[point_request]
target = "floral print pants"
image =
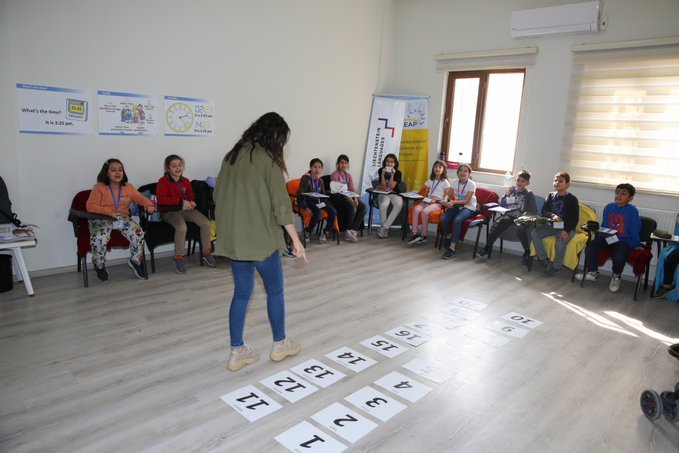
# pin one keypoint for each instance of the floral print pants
(100, 234)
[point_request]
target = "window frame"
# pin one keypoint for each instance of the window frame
(483, 76)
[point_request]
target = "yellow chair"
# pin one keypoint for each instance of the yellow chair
(575, 246)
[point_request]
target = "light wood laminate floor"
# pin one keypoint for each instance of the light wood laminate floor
(131, 365)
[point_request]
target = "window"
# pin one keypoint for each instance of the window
(622, 123)
(481, 120)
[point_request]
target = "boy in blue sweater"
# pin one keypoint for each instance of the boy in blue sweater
(624, 218)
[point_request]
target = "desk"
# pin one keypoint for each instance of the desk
(661, 243)
(15, 248)
(407, 197)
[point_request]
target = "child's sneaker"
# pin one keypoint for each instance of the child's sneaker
(414, 240)
(102, 273)
(179, 265)
(210, 260)
(615, 283)
(323, 238)
(449, 254)
(551, 271)
(483, 253)
(239, 358)
(383, 233)
(589, 276)
(288, 252)
(138, 269)
(286, 347)
(423, 240)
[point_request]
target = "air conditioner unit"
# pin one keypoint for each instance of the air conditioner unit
(574, 18)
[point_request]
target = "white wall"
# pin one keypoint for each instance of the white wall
(424, 28)
(316, 62)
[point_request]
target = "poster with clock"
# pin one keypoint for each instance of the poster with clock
(190, 117)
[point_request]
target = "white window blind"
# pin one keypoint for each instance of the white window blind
(622, 123)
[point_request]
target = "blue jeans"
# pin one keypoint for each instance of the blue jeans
(317, 215)
(455, 215)
(271, 271)
(619, 253)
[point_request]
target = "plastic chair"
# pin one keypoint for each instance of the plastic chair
(78, 216)
(160, 233)
(480, 219)
(292, 187)
(434, 217)
(639, 258)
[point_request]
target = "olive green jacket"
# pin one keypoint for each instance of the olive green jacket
(251, 206)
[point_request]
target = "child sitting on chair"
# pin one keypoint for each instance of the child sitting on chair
(311, 183)
(563, 209)
(434, 193)
(519, 200)
(624, 218)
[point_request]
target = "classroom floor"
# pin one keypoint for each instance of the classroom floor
(130, 365)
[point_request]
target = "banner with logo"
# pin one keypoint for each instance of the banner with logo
(399, 125)
(384, 135)
(414, 152)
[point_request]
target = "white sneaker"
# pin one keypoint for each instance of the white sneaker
(354, 235)
(590, 276)
(615, 284)
(383, 233)
(284, 348)
(239, 358)
(415, 239)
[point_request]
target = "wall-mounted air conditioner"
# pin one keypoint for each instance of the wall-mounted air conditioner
(574, 18)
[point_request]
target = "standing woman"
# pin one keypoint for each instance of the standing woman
(252, 204)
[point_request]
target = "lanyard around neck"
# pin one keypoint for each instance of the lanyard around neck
(116, 202)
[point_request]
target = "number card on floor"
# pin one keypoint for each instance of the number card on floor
(289, 386)
(522, 320)
(306, 437)
(351, 359)
(434, 371)
(403, 386)
(509, 329)
(486, 337)
(375, 403)
(383, 346)
(425, 326)
(466, 303)
(251, 403)
(344, 422)
(318, 373)
(461, 312)
(408, 335)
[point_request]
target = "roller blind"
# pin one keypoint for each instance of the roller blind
(622, 123)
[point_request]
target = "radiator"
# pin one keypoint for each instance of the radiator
(667, 220)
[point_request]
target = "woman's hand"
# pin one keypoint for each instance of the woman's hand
(298, 249)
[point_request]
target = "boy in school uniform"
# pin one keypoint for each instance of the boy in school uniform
(624, 218)
(563, 209)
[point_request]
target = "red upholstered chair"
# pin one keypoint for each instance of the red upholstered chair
(640, 257)
(292, 187)
(78, 216)
(478, 220)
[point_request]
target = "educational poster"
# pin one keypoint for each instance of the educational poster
(53, 110)
(127, 113)
(189, 117)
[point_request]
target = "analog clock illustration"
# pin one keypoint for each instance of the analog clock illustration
(179, 117)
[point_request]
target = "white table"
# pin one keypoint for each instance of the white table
(20, 265)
